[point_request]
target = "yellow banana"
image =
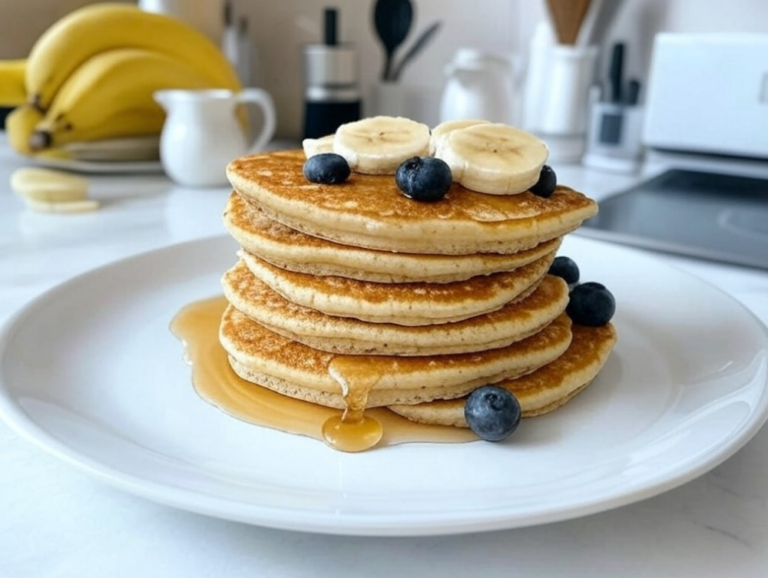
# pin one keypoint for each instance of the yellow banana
(120, 124)
(105, 88)
(20, 124)
(12, 91)
(96, 28)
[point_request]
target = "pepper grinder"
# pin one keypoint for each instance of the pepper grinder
(332, 91)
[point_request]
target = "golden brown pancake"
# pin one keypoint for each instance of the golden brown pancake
(539, 392)
(511, 323)
(369, 211)
(288, 367)
(295, 251)
(409, 304)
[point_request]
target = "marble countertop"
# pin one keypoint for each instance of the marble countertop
(57, 522)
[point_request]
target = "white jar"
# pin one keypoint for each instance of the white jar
(479, 85)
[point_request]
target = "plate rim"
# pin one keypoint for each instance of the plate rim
(317, 522)
(101, 167)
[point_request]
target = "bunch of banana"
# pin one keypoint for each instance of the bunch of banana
(91, 76)
(12, 89)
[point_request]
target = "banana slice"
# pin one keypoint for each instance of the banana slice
(441, 131)
(48, 185)
(68, 207)
(496, 159)
(377, 145)
(316, 146)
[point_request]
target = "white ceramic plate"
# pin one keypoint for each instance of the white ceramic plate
(91, 373)
(100, 167)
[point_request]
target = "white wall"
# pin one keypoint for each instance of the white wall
(503, 26)
(280, 27)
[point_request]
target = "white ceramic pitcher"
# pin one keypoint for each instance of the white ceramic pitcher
(202, 134)
(479, 85)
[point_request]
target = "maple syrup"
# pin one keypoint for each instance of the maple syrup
(356, 429)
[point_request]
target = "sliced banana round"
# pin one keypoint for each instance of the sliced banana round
(316, 146)
(66, 207)
(496, 159)
(378, 145)
(48, 185)
(441, 131)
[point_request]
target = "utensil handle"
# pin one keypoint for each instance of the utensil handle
(264, 101)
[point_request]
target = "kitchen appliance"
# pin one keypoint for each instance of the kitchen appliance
(706, 128)
(332, 92)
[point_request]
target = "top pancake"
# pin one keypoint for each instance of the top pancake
(370, 211)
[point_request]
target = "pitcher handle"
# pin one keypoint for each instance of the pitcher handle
(264, 100)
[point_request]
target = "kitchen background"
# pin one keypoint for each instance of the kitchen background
(279, 29)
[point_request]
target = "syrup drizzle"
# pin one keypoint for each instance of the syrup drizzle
(214, 380)
(353, 431)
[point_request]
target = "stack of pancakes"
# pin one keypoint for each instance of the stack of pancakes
(432, 300)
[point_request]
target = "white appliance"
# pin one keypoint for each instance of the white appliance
(707, 124)
(708, 93)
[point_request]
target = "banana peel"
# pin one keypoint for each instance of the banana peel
(19, 125)
(12, 89)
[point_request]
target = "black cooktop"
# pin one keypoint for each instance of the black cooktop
(709, 215)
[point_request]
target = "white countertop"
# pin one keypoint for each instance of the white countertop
(57, 522)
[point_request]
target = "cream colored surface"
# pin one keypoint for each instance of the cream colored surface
(379, 144)
(48, 185)
(64, 207)
(496, 159)
(440, 133)
(316, 146)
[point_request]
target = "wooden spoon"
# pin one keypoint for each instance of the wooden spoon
(567, 18)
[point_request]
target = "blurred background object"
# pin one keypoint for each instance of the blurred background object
(202, 133)
(86, 101)
(331, 81)
(393, 23)
(561, 72)
(478, 85)
(279, 30)
(207, 16)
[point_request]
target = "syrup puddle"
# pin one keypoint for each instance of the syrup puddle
(197, 326)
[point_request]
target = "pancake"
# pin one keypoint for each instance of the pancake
(511, 323)
(295, 251)
(411, 304)
(539, 392)
(369, 211)
(290, 368)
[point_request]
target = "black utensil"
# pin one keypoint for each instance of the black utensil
(415, 49)
(392, 19)
(633, 92)
(616, 71)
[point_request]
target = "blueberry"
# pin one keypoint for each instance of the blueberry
(424, 178)
(492, 412)
(326, 169)
(591, 304)
(546, 184)
(566, 268)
